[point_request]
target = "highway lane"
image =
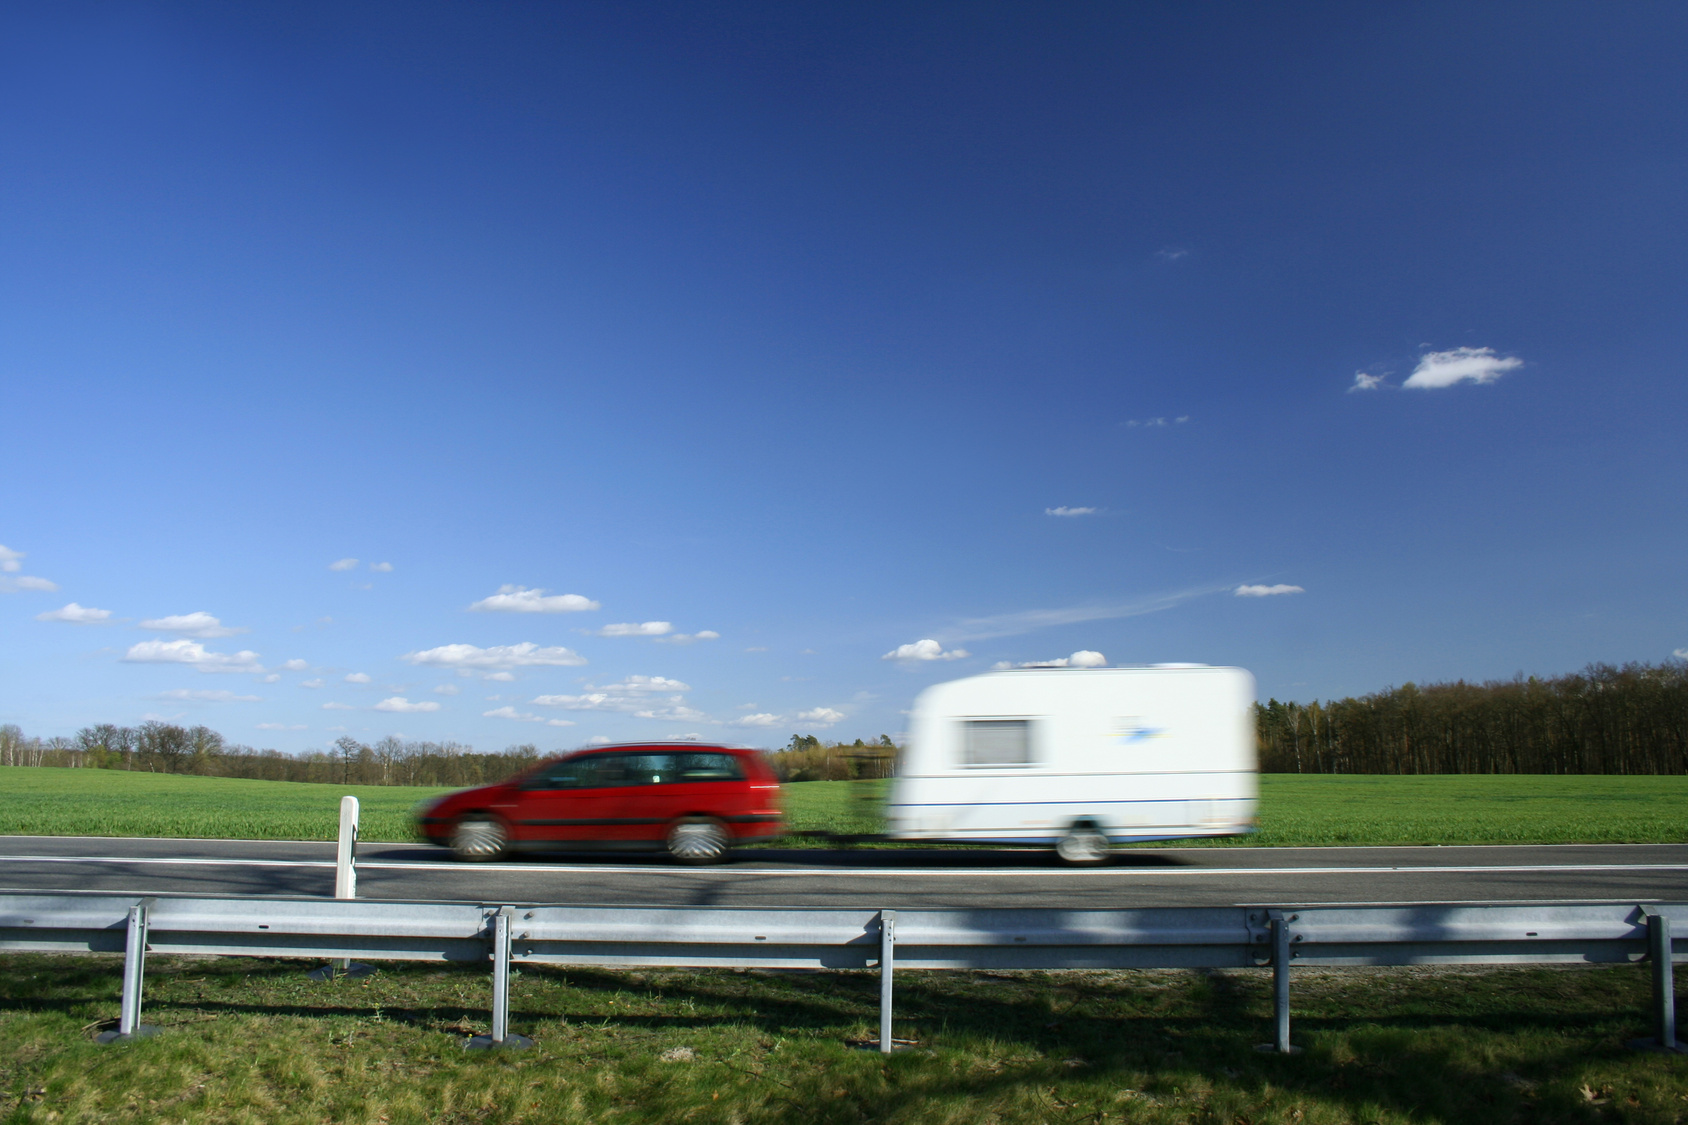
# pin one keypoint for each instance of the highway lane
(868, 878)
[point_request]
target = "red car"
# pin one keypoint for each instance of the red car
(695, 801)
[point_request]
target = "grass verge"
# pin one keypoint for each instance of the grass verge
(253, 1041)
(1294, 810)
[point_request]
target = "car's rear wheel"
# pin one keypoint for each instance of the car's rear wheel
(698, 839)
(479, 836)
(1084, 845)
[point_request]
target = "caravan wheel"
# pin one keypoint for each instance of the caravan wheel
(1083, 846)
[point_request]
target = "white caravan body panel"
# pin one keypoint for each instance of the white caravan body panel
(1022, 756)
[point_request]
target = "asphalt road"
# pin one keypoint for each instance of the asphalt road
(868, 878)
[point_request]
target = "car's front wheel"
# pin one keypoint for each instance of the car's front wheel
(698, 839)
(479, 836)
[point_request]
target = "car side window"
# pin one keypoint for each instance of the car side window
(596, 771)
(707, 767)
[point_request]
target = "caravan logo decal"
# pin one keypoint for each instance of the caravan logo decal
(1133, 731)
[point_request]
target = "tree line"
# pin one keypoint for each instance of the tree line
(160, 747)
(1605, 719)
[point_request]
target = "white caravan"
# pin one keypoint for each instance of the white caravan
(1080, 758)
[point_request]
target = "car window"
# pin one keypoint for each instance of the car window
(687, 766)
(596, 771)
(699, 766)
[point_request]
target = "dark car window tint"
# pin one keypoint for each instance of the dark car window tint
(596, 771)
(667, 769)
(707, 767)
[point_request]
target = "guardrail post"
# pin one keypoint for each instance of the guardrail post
(129, 1025)
(887, 966)
(1281, 956)
(345, 886)
(500, 1036)
(1664, 985)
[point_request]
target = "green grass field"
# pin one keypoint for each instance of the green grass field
(1295, 810)
(254, 1041)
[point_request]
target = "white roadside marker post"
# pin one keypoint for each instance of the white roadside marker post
(345, 887)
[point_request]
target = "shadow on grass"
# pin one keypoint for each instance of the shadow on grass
(1069, 1047)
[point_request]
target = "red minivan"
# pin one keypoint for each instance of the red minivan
(695, 801)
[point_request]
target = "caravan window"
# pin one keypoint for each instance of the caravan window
(996, 742)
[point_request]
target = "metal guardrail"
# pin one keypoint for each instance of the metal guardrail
(1172, 937)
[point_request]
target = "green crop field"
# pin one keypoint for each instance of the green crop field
(1295, 810)
(254, 1041)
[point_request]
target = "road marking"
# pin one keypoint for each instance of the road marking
(853, 872)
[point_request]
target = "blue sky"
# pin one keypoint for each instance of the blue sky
(840, 349)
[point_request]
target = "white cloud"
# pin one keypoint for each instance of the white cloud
(184, 651)
(647, 629)
(598, 740)
(1083, 658)
(820, 716)
(1156, 423)
(294, 665)
(757, 648)
(445, 689)
(343, 564)
(688, 638)
(629, 695)
(338, 707)
(678, 713)
(1063, 510)
(403, 706)
(197, 624)
(76, 615)
(522, 599)
(26, 582)
(1028, 621)
(315, 683)
(357, 677)
(1364, 382)
(1460, 365)
(524, 717)
(500, 677)
(1172, 253)
(184, 694)
(383, 568)
(281, 726)
(762, 719)
(924, 650)
(525, 655)
(1680, 654)
(10, 560)
(272, 678)
(1267, 591)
